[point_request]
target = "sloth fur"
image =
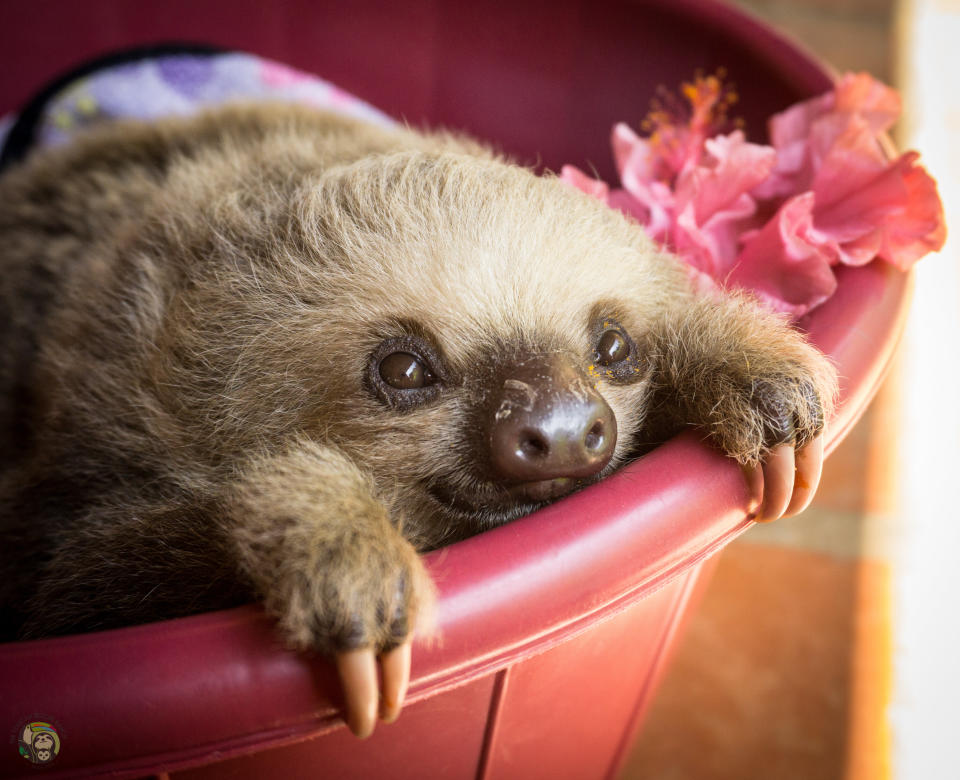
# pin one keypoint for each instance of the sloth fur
(187, 415)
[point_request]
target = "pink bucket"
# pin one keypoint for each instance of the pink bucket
(555, 628)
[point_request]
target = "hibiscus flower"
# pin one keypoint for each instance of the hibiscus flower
(775, 218)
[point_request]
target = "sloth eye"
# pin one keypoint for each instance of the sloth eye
(404, 371)
(616, 357)
(612, 347)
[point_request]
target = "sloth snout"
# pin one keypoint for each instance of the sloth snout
(548, 423)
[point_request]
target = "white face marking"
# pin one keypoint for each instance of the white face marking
(517, 395)
(579, 388)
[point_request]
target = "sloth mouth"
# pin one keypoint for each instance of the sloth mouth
(544, 489)
(509, 501)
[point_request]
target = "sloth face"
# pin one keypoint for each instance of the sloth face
(543, 428)
(529, 424)
(476, 336)
(505, 364)
(476, 406)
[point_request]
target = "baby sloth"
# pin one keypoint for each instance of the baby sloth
(273, 353)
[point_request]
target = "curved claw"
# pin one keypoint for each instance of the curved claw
(778, 477)
(358, 676)
(396, 678)
(809, 470)
(787, 480)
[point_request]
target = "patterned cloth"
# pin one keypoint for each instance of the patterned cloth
(181, 84)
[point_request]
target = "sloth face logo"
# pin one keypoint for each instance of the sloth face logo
(39, 742)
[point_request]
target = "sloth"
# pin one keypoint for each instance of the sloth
(272, 353)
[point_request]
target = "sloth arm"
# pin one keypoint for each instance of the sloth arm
(754, 384)
(332, 566)
(304, 530)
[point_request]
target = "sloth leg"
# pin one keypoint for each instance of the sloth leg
(754, 384)
(332, 566)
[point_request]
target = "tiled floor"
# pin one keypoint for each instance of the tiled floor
(783, 671)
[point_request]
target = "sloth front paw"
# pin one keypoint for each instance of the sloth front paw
(751, 419)
(790, 411)
(353, 598)
(327, 558)
(361, 604)
(774, 428)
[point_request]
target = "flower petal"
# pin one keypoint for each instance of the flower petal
(896, 213)
(793, 124)
(652, 209)
(624, 142)
(713, 206)
(846, 157)
(572, 175)
(650, 212)
(920, 227)
(805, 132)
(787, 262)
(860, 93)
(731, 168)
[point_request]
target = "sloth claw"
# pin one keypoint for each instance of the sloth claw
(792, 411)
(793, 438)
(372, 626)
(778, 479)
(396, 679)
(789, 480)
(358, 676)
(809, 469)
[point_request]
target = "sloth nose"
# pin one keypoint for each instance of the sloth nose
(548, 423)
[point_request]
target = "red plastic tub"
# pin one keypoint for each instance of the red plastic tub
(555, 628)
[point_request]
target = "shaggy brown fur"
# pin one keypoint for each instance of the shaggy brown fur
(187, 418)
